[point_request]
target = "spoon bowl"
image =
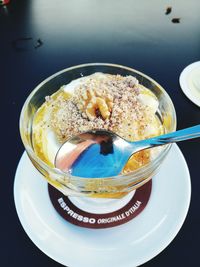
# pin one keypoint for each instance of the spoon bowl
(93, 154)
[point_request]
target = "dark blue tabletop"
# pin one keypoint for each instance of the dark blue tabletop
(41, 37)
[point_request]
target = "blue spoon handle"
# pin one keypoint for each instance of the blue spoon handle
(181, 135)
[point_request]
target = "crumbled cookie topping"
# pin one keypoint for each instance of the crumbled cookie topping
(102, 102)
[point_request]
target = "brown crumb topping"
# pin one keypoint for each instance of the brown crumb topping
(100, 102)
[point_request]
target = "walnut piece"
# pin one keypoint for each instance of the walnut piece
(95, 104)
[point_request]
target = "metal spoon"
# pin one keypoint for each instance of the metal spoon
(104, 154)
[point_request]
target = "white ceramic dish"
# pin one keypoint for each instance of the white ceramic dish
(128, 245)
(190, 82)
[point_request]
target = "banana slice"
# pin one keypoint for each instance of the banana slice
(148, 98)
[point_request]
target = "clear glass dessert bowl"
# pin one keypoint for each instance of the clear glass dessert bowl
(109, 187)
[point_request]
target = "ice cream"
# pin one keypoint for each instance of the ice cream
(99, 101)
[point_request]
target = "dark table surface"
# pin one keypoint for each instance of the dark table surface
(40, 37)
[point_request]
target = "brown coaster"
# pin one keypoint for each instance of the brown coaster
(79, 217)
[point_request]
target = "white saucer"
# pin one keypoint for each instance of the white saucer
(127, 245)
(190, 82)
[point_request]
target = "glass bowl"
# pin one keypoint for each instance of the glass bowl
(109, 187)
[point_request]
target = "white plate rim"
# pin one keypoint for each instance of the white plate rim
(162, 245)
(183, 82)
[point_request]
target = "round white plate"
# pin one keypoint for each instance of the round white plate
(190, 82)
(127, 245)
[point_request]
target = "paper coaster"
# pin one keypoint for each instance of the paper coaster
(82, 218)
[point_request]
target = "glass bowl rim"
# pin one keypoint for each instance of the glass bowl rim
(57, 171)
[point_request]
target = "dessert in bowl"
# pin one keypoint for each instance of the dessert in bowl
(96, 97)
